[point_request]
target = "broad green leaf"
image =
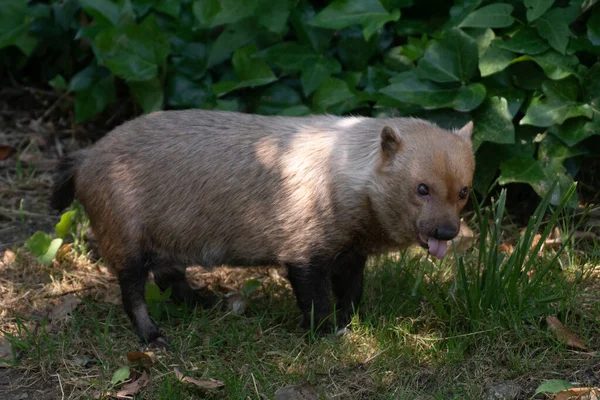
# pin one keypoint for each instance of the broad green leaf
(232, 38)
(169, 7)
(526, 40)
(370, 14)
(414, 27)
(555, 65)
(295, 111)
(189, 58)
(376, 78)
(330, 92)
(148, 94)
(213, 13)
(182, 92)
(134, 52)
(65, 224)
(553, 386)
(460, 11)
(249, 71)
(535, 8)
(276, 98)
(316, 72)
(495, 60)
(228, 105)
(515, 97)
(575, 130)
(493, 122)
(483, 37)
(14, 26)
(354, 51)
(591, 87)
(93, 100)
(43, 247)
(58, 82)
(318, 38)
(539, 175)
(495, 15)
(289, 56)
(120, 375)
(553, 27)
(407, 88)
(250, 286)
(551, 148)
(565, 90)
(593, 27)
(396, 61)
(452, 59)
(273, 15)
(550, 111)
(104, 11)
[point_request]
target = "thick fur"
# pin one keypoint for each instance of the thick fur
(317, 194)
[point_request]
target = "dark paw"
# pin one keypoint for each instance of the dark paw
(158, 343)
(319, 328)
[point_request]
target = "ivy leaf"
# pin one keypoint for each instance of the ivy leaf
(452, 59)
(95, 88)
(182, 92)
(103, 11)
(315, 73)
(250, 71)
(553, 27)
(555, 65)
(232, 38)
(354, 51)
(575, 130)
(493, 122)
(526, 40)
(407, 88)
(495, 15)
(593, 27)
(552, 110)
(591, 87)
(539, 175)
(289, 56)
(535, 8)
(276, 98)
(58, 82)
(495, 60)
(330, 92)
(273, 15)
(14, 26)
(370, 14)
(213, 13)
(148, 94)
(318, 38)
(134, 52)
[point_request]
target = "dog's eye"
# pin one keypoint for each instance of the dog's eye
(422, 189)
(463, 193)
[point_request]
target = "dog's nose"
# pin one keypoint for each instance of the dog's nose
(444, 232)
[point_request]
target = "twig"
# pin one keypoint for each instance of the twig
(54, 105)
(53, 296)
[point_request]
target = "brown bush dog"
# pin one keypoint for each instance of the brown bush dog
(317, 194)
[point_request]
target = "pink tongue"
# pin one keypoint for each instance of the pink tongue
(437, 248)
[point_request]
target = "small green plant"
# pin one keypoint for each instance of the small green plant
(44, 246)
(513, 285)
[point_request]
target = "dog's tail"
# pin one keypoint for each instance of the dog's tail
(63, 191)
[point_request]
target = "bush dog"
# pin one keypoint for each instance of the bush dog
(317, 194)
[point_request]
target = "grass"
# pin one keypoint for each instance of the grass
(426, 330)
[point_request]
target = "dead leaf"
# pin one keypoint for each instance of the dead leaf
(578, 394)
(145, 359)
(305, 391)
(506, 248)
(132, 388)
(61, 311)
(565, 334)
(465, 238)
(236, 302)
(6, 151)
(9, 257)
(205, 384)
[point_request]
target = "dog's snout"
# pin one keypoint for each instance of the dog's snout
(444, 232)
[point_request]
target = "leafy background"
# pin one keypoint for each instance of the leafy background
(527, 72)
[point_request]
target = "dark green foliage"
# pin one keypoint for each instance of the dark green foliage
(525, 71)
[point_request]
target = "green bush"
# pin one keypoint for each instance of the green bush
(526, 71)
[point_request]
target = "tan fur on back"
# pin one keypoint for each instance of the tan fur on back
(217, 187)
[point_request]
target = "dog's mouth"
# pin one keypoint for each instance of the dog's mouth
(437, 248)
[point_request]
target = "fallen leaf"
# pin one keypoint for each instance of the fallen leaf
(120, 375)
(578, 394)
(9, 257)
(145, 359)
(61, 311)
(506, 248)
(565, 334)
(132, 388)
(236, 302)
(465, 238)
(6, 151)
(205, 384)
(305, 391)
